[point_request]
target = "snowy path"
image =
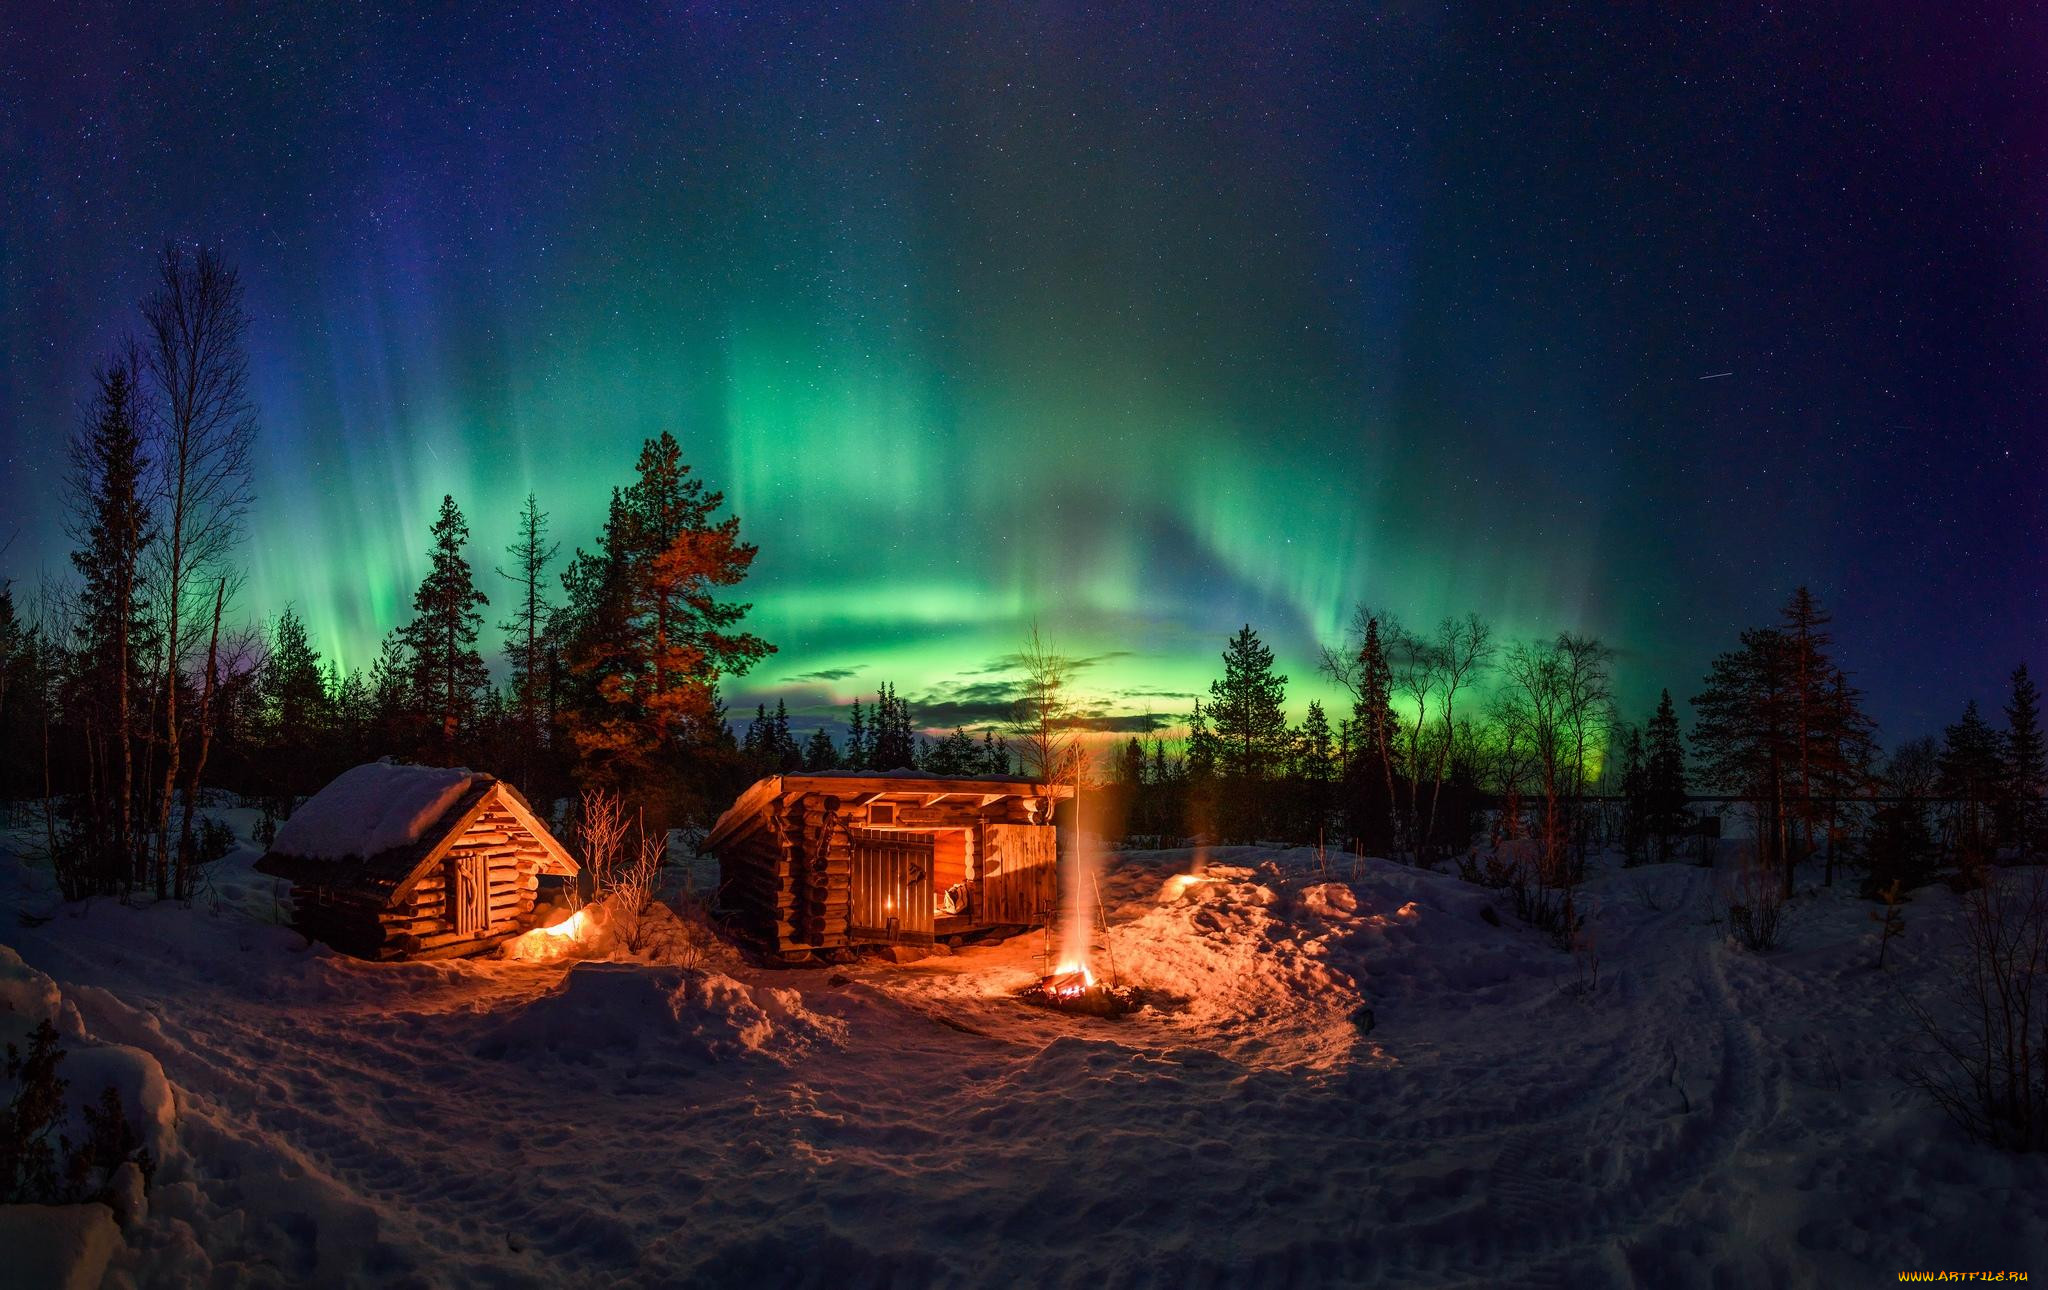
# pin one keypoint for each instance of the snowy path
(429, 1124)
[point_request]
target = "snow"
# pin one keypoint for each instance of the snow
(370, 809)
(57, 1247)
(1345, 1076)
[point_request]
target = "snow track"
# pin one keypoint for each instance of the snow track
(1505, 1122)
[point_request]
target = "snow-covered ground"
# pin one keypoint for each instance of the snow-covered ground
(1339, 1079)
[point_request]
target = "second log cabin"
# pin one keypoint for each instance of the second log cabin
(830, 859)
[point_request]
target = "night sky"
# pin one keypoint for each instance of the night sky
(1139, 323)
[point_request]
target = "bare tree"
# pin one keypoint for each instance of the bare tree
(242, 650)
(195, 356)
(1463, 650)
(1562, 689)
(1044, 717)
(1417, 671)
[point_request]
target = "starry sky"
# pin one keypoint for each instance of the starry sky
(1137, 320)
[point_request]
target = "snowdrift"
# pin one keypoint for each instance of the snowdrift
(685, 1016)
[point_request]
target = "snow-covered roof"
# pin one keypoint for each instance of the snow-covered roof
(372, 809)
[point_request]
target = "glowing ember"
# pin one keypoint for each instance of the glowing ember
(1069, 981)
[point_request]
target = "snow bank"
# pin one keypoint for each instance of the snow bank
(688, 1015)
(29, 997)
(371, 809)
(57, 1247)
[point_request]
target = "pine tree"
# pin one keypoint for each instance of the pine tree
(819, 754)
(1130, 765)
(113, 518)
(526, 634)
(2026, 764)
(447, 673)
(652, 638)
(1248, 707)
(1664, 790)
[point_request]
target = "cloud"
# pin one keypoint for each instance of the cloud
(826, 674)
(1006, 663)
(1136, 723)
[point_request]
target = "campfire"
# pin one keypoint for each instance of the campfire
(1073, 988)
(1070, 982)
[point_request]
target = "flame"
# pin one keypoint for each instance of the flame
(544, 943)
(1070, 980)
(571, 927)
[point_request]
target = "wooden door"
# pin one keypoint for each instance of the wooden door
(891, 893)
(469, 895)
(1020, 882)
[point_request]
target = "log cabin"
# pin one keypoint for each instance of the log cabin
(830, 859)
(412, 862)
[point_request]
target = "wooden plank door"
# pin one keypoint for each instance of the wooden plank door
(891, 892)
(469, 895)
(1019, 874)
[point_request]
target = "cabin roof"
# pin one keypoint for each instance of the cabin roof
(376, 828)
(848, 783)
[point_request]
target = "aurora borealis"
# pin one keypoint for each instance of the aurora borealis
(1140, 323)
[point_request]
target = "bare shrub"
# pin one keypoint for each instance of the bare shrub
(602, 828)
(1984, 1059)
(633, 884)
(1756, 905)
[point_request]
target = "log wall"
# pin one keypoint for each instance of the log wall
(787, 873)
(422, 922)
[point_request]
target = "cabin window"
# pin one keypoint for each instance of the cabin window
(882, 813)
(469, 895)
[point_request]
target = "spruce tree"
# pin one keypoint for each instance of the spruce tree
(759, 739)
(789, 755)
(1314, 769)
(995, 754)
(857, 740)
(1664, 790)
(294, 692)
(1971, 769)
(1635, 796)
(447, 672)
(113, 622)
(893, 746)
(391, 712)
(819, 754)
(1374, 727)
(2026, 764)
